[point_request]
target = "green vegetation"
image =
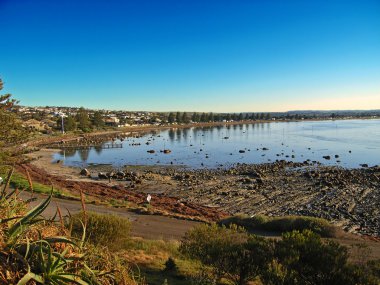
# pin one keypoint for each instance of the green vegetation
(152, 261)
(104, 230)
(208, 254)
(195, 117)
(297, 258)
(18, 181)
(34, 250)
(282, 224)
(232, 253)
(12, 133)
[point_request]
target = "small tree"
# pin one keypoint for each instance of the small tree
(97, 120)
(178, 118)
(203, 118)
(185, 118)
(171, 118)
(83, 120)
(69, 123)
(211, 117)
(195, 117)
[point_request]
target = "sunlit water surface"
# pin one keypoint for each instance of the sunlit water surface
(354, 141)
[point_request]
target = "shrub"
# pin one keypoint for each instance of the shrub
(233, 253)
(283, 224)
(170, 265)
(101, 229)
(307, 258)
(298, 258)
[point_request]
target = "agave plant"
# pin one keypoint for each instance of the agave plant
(51, 266)
(43, 261)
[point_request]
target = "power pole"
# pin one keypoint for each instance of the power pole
(62, 115)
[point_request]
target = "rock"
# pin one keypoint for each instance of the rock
(365, 165)
(85, 172)
(120, 175)
(102, 175)
(111, 175)
(327, 157)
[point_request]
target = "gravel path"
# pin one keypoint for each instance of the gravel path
(145, 226)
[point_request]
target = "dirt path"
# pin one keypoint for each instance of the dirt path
(145, 226)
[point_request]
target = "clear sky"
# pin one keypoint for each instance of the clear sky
(192, 55)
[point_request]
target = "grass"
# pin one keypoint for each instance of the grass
(283, 224)
(21, 182)
(148, 257)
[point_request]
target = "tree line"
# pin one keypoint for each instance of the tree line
(195, 117)
(82, 120)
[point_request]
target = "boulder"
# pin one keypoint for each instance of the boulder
(102, 175)
(85, 172)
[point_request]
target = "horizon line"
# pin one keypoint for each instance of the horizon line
(224, 112)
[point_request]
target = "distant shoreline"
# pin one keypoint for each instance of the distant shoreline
(137, 129)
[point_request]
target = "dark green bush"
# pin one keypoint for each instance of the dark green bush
(170, 265)
(298, 258)
(234, 254)
(101, 229)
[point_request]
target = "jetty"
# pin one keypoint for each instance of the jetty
(85, 146)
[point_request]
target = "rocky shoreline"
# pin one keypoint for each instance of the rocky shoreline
(350, 198)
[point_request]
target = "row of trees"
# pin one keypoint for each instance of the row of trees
(211, 117)
(297, 258)
(82, 121)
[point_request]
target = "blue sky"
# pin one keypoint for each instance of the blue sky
(220, 56)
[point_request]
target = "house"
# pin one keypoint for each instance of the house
(112, 121)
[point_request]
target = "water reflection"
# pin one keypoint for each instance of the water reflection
(68, 152)
(98, 149)
(171, 134)
(304, 140)
(84, 154)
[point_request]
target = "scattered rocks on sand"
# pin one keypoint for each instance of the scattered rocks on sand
(348, 197)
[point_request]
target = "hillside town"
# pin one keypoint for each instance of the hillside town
(49, 118)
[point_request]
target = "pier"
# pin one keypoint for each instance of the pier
(86, 146)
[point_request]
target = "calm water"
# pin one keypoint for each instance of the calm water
(216, 146)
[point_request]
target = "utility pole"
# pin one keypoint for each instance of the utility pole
(62, 115)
